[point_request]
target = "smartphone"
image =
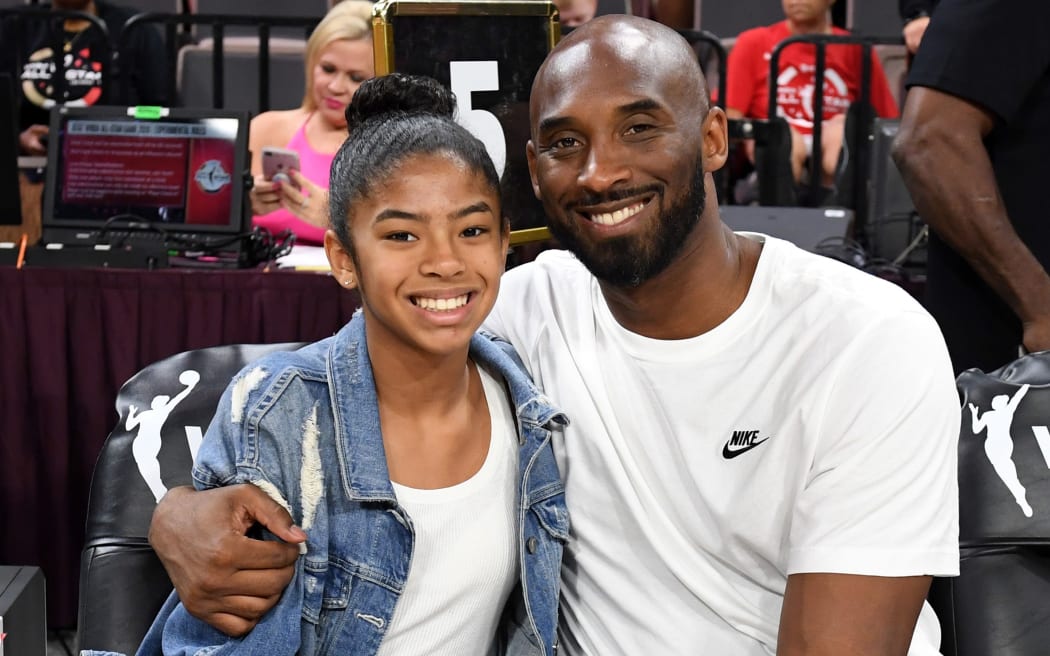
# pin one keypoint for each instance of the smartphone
(277, 162)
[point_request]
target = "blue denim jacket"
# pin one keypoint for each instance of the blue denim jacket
(342, 596)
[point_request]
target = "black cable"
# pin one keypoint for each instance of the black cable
(264, 246)
(134, 222)
(843, 249)
(256, 246)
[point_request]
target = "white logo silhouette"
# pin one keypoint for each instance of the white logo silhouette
(146, 444)
(999, 445)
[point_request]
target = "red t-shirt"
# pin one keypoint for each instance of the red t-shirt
(747, 78)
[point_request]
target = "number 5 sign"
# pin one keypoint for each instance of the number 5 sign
(487, 53)
(465, 78)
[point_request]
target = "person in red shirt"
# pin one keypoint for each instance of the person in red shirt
(747, 82)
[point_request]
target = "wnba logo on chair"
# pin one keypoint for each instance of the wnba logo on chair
(149, 425)
(999, 441)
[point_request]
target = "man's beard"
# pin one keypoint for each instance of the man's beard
(630, 260)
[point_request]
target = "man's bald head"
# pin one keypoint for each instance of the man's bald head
(619, 47)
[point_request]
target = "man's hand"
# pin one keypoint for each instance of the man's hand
(913, 32)
(29, 140)
(1037, 335)
(223, 577)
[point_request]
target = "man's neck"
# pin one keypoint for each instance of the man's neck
(706, 283)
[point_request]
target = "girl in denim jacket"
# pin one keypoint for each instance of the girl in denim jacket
(415, 453)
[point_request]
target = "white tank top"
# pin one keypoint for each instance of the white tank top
(464, 564)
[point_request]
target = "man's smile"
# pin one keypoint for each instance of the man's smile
(616, 216)
(615, 209)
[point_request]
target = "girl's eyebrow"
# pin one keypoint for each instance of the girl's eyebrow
(392, 213)
(480, 206)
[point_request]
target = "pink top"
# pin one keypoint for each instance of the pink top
(316, 168)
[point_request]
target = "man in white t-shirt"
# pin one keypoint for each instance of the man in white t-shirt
(762, 451)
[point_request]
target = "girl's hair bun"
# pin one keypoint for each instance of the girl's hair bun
(398, 93)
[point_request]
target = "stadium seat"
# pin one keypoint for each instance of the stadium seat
(122, 582)
(772, 138)
(314, 8)
(161, 6)
(894, 60)
(276, 8)
(997, 606)
(241, 74)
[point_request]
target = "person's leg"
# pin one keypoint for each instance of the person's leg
(830, 146)
(799, 154)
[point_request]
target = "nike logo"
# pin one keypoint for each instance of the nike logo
(741, 442)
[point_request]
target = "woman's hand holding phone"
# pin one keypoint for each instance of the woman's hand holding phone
(265, 195)
(281, 184)
(278, 163)
(305, 199)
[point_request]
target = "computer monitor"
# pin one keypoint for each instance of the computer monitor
(176, 175)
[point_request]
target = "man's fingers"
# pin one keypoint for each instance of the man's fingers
(231, 625)
(243, 607)
(261, 555)
(224, 577)
(265, 586)
(256, 506)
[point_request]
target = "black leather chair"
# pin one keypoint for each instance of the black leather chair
(1000, 603)
(167, 408)
(772, 139)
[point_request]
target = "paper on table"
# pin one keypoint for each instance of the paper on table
(304, 258)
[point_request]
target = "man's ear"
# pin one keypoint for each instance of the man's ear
(530, 155)
(340, 260)
(715, 129)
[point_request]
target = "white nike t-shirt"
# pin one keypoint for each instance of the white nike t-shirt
(814, 430)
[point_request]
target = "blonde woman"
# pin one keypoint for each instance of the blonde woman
(338, 59)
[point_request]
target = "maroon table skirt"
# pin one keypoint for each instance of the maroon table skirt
(70, 338)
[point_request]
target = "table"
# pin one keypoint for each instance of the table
(71, 337)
